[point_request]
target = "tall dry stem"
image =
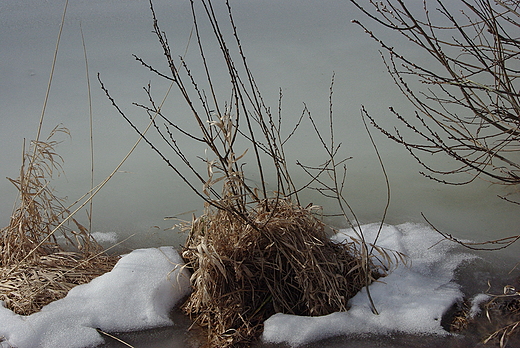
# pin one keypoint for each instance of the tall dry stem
(256, 250)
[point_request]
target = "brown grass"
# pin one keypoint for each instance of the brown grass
(35, 269)
(34, 284)
(282, 261)
(253, 252)
(496, 325)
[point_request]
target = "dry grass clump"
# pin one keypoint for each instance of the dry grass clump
(280, 261)
(36, 283)
(35, 269)
(504, 317)
(252, 253)
(498, 322)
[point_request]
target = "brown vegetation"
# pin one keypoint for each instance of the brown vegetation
(469, 109)
(466, 100)
(35, 268)
(255, 251)
(280, 261)
(496, 322)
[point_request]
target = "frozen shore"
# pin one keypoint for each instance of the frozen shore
(146, 284)
(137, 294)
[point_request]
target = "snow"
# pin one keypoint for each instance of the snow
(105, 237)
(412, 299)
(141, 290)
(476, 303)
(144, 286)
(137, 294)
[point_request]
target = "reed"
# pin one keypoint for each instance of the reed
(255, 250)
(280, 261)
(37, 266)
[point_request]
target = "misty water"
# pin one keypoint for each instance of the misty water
(295, 46)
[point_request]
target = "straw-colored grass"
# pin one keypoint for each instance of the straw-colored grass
(35, 269)
(32, 285)
(496, 325)
(253, 252)
(282, 261)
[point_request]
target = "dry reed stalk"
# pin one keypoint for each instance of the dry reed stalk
(280, 261)
(252, 252)
(34, 268)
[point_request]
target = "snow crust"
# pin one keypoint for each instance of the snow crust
(145, 284)
(137, 294)
(412, 299)
(105, 237)
(476, 303)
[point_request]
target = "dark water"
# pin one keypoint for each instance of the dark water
(177, 338)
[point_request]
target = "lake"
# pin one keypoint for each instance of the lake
(295, 46)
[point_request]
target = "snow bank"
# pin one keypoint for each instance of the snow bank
(412, 299)
(137, 294)
(145, 284)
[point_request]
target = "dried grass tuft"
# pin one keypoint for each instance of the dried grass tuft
(35, 269)
(36, 283)
(281, 261)
(253, 253)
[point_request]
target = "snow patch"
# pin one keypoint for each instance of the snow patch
(144, 286)
(105, 237)
(137, 294)
(412, 299)
(476, 303)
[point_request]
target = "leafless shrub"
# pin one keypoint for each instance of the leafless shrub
(255, 250)
(470, 106)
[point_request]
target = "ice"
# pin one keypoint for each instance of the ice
(412, 299)
(137, 294)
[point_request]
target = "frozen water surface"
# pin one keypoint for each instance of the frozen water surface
(293, 45)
